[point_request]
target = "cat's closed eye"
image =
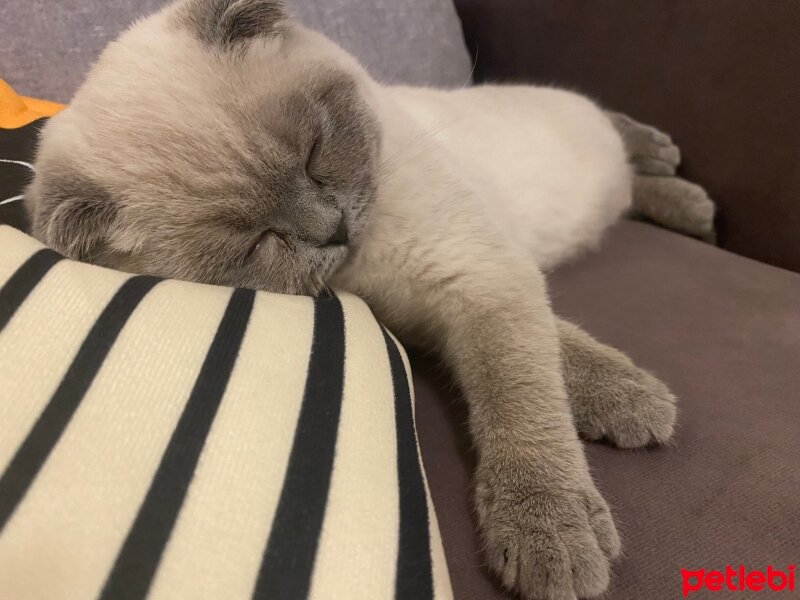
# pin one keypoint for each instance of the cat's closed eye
(312, 162)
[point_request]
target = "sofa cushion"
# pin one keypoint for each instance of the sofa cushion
(724, 332)
(202, 442)
(46, 47)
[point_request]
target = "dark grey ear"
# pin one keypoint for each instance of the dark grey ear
(71, 214)
(227, 24)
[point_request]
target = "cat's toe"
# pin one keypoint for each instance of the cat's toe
(647, 418)
(637, 413)
(650, 158)
(553, 545)
(652, 166)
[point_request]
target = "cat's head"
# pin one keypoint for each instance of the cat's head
(216, 141)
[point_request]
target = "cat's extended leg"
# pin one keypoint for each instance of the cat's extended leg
(547, 531)
(611, 398)
(658, 194)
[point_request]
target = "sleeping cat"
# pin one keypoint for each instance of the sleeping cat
(220, 141)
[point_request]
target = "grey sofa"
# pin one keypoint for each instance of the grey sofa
(722, 330)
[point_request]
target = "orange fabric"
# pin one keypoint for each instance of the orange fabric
(16, 111)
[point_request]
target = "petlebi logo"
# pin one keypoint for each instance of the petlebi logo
(739, 579)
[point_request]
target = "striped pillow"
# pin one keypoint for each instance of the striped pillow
(168, 440)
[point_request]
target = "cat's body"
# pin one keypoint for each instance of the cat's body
(219, 142)
(515, 150)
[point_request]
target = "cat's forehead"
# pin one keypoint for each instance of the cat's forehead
(197, 60)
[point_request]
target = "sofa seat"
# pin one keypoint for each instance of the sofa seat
(724, 332)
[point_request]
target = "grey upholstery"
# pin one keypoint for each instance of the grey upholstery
(46, 47)
(416, 42)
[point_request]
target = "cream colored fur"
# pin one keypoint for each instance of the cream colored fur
(547, 164)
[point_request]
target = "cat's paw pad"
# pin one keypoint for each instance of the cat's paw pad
(550, 545)
(631, 411)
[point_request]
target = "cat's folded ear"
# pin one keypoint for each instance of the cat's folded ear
(71, 214)
(228, 24)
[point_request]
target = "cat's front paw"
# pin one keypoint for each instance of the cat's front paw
(626, 405)
(547, 543)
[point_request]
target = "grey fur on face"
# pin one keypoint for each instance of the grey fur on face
(264, 182)
(78, 212)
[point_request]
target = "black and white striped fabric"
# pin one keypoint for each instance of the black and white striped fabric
(167, 440)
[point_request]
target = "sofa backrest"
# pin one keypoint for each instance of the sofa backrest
(46, 47)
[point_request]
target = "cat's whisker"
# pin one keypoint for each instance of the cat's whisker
(419, 144)
(472, 71)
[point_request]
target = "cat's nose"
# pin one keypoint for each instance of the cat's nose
(339, 237)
